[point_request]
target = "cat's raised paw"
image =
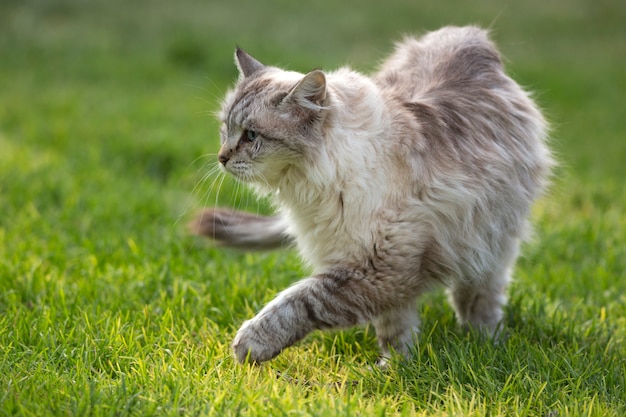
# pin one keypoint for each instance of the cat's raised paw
(252, 346)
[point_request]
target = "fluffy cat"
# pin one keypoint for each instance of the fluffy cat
(421, 175)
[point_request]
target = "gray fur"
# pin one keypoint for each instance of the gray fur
(420, 175)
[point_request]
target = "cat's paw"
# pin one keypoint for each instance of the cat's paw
(252, 344)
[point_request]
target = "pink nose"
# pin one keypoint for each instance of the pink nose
(223, 158)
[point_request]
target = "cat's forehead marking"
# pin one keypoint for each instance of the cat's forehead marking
(250, 93)
(259, 92)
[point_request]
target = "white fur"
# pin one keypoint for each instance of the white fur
(401, 181)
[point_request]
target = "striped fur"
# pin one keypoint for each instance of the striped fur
(241, 230)
(420, 175)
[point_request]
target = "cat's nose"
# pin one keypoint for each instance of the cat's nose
(223, 158)
(224, 155)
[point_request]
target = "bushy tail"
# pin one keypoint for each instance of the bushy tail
(237, 229)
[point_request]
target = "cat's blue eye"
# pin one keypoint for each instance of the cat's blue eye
(251, 135)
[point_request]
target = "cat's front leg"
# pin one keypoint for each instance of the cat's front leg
(337, 299)
(276, 327)
(256, 342)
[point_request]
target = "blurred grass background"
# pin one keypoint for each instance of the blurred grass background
(106, 133)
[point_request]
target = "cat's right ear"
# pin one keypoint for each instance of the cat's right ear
(246, 64)
(310, 92)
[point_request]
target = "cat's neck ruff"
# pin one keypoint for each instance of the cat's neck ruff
(334, 199)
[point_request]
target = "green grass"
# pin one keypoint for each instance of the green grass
(108, 307)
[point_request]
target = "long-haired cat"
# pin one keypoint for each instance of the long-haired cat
(421, 175)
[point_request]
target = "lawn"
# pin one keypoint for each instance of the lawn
(107, 143)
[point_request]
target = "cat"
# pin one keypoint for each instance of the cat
(421, 175)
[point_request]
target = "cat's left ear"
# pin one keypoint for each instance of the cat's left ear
(246, 64)
(310, 92)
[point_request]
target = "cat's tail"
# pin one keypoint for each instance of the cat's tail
(237, 229)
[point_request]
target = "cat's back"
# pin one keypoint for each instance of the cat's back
(452, 83)
(461, 111)
(451, 55)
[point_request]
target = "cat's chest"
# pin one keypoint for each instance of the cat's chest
(341, 233)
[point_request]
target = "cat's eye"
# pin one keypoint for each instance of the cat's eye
(251, 135)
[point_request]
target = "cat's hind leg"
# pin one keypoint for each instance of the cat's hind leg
(479, 307)
(397, 330)
(479, 302)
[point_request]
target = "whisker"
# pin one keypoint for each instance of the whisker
(201, 157)
(235, 196)
(213, 172)
(189, 205)
(214, 92)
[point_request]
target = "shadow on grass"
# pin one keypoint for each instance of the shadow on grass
(549, 354)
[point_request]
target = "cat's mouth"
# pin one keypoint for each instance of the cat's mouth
(240, 170)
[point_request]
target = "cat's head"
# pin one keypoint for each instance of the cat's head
(271, 121)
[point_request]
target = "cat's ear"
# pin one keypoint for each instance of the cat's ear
(246, 64)
(310, 92)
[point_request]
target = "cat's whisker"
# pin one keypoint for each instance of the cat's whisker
(208, 170)
(215, 92)
(220, 93)
(211, 156)
(239, 194)
(218, 192)
(190, 203)
(213, 172)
